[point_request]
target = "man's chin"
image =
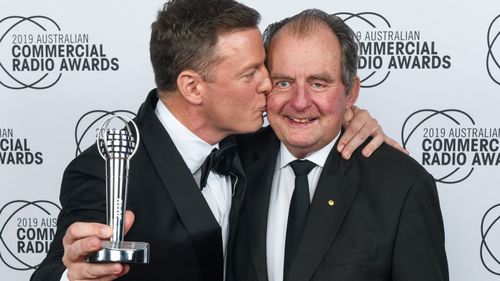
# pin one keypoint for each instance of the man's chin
(299, 149)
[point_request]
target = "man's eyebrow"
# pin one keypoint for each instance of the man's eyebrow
(246, 68)
(251, 65)
(280, 76)
(321, 76)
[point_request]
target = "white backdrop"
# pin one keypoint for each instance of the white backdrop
(431, 74)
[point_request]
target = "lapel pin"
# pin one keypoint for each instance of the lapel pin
(331, 202)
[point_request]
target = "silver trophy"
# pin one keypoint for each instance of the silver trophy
(117, 147)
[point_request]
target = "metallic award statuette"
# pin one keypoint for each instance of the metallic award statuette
(117, 147)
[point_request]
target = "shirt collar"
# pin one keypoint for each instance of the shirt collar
(318, 157)
(192, 148)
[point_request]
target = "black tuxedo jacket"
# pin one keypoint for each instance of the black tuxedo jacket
(170, 211)
(385, 223)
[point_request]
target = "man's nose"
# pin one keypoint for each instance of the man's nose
(266, 84)
(301, 98)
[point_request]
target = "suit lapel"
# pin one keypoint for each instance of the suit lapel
(200, 224)
(260, 173)
(239, 191)
(324, 219)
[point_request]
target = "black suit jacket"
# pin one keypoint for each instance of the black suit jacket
(385, 223)
(170, 211)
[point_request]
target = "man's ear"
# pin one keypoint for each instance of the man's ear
(354, 93)
(189, 85)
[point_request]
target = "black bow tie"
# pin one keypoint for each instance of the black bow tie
(219, 160)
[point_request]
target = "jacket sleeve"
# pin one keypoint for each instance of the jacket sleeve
(419, 251)
(82, 198)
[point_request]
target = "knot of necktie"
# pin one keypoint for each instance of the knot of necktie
(219, 161)
(302, 167)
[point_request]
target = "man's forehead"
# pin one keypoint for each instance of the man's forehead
(285, 40)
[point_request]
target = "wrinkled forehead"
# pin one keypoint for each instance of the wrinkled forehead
(318, 38)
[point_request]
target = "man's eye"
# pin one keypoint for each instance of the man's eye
(282, 84)
(317, 85)
(250, 74)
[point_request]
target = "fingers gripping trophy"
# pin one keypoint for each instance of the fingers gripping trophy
(117, 147)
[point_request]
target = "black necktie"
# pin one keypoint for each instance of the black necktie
(219, 160)
(297, 214)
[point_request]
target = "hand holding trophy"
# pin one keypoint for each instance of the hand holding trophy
(117, 147)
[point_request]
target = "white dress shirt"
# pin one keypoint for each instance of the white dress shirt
(194, 150)
(279, 204)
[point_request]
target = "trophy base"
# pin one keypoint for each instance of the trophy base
(122, 252)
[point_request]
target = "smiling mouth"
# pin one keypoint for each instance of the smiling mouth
(301, 120)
